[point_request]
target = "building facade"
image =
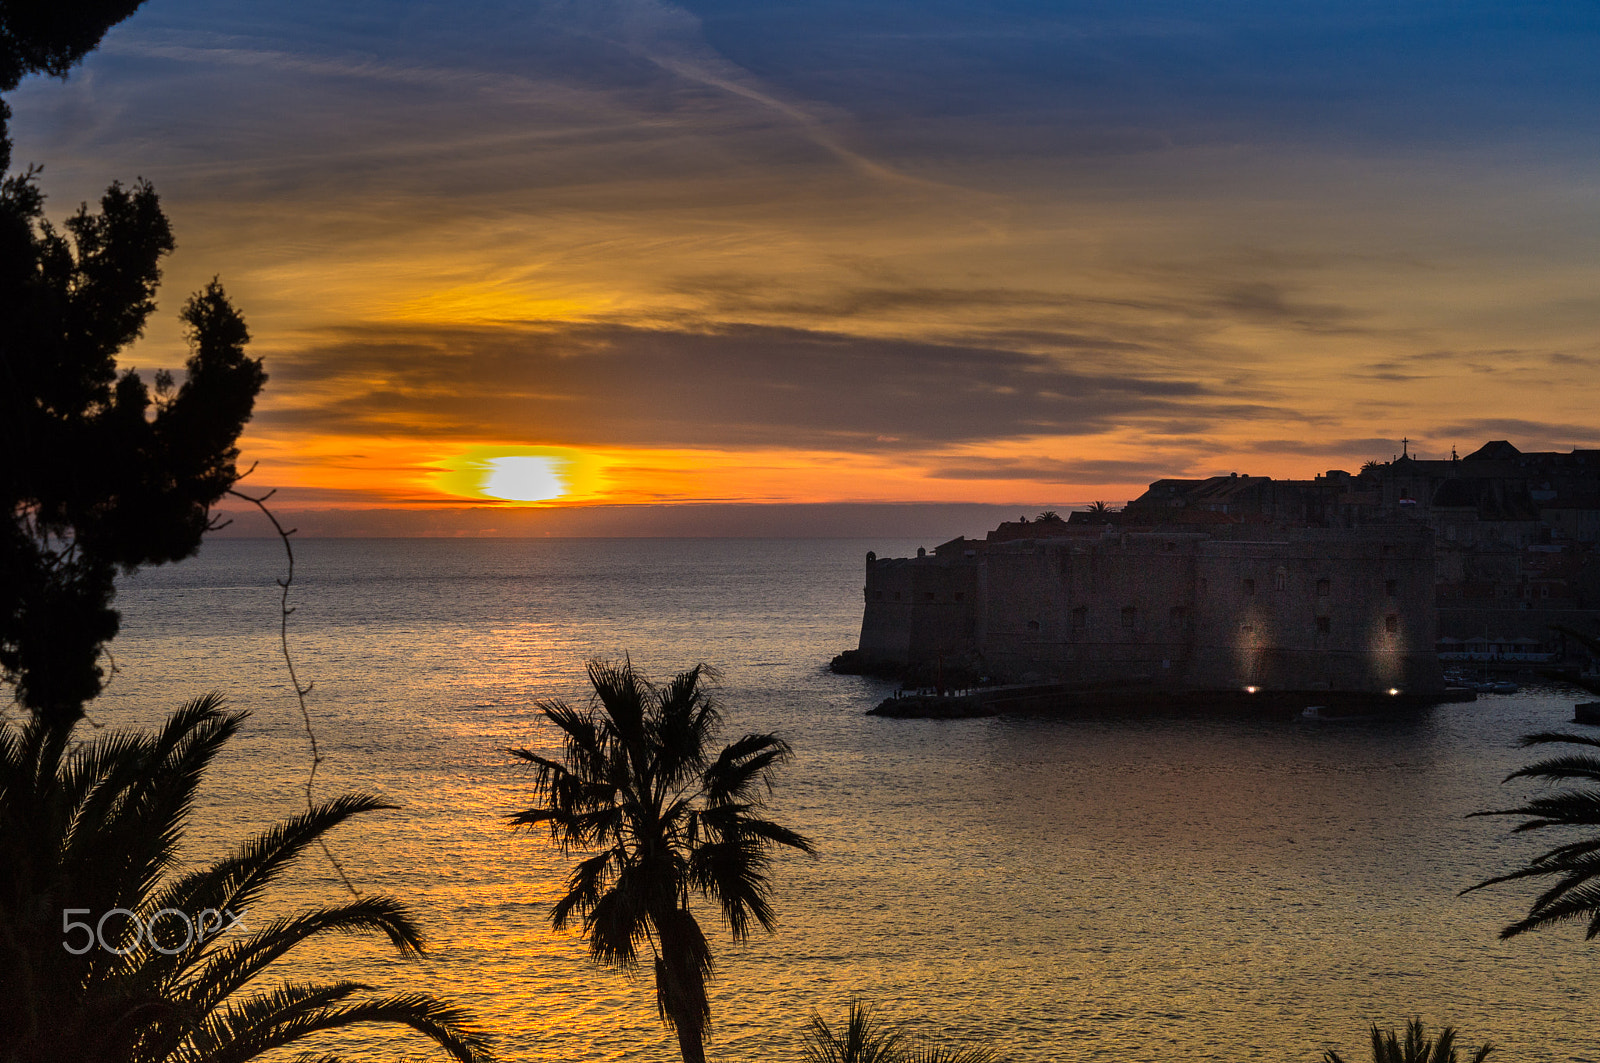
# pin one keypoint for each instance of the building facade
(1171, 609)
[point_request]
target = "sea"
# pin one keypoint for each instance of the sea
(1131, 887)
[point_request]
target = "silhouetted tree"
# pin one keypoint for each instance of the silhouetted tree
(1417, 1047)
(96, 830)
(863, 1039)
(49, 37)
(1049, 515)
(1576, 865)
(639, 788)
(96, 474)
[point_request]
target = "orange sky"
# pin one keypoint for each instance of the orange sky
(667, 254)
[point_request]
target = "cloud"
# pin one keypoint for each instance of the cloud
(1525, 434)
(1325, 447)
(1270, 303)
(1051, 471)
(733, 386)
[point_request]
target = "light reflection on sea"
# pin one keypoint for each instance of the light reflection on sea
(1093, 889)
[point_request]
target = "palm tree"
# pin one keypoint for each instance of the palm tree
(1417, 1048)
(863, 1039)
(1575, 865)
(110, 954)
(639, 789)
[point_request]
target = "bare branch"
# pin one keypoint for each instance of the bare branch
(300, 692)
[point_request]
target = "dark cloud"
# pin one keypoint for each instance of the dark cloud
(1395, 372)
(1525, 435)
(1270, 303)
(1580, 361)
(736, 386)
(1046, 470)
(1323, 447)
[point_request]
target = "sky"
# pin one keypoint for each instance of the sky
(807, 266)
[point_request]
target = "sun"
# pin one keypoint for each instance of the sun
(523, 479)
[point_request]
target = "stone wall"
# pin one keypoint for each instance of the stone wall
(918, 608)
(1281, 609)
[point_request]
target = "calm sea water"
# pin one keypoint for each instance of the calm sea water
(1088, 889)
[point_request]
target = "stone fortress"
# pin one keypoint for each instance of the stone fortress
(1343, 584)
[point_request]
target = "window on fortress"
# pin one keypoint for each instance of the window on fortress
(897, 596)
(1280, 580)
(960, 597)
(1080, 618)
(928, 595)
(1177, 617)
(1391, 623)
(1129, 614)
(1324, 625)
(1324, 588)
(1033, 625)
(1391, 587)
(1249, 586)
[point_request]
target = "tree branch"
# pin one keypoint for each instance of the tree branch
(300, 692)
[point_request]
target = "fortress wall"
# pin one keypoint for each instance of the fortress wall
(1115, 608)
(1319, 610)
(918, 608)
(1175, 611)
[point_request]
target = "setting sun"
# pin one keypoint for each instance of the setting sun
(523, 479)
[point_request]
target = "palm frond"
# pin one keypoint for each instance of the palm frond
(940, 1054)
(1418, 1047)
(862, 1039)
(283, 1016)
(95, 829)
(742, 765)
(1575, 865)
(734, 872)
(622, 694)
(586, 884)
(239, 879)
(226, 970)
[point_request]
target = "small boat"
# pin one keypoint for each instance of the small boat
(1505, 686)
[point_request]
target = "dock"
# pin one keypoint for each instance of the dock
(1051, 699)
